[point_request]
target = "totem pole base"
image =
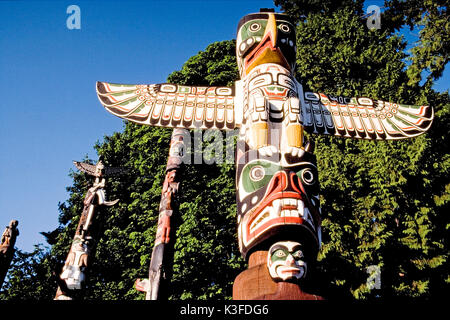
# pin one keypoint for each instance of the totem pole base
(255, 283)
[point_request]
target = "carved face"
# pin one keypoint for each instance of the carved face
(79, 246)
(265, 38)
(13, 223)
(285, 261)
(277, 196)
(99, 169)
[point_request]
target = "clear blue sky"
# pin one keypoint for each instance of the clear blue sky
(50, 114)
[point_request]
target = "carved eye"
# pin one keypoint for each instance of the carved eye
(257, 173)
(285, 28)
(280, 253)
(255, 27)
(297, 254)
(308, 177)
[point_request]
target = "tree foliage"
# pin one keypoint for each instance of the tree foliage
(431, 19)
(384, 204)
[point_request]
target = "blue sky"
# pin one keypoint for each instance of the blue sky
(50, 114)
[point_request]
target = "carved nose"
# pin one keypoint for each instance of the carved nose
(284, 181)
(290, 259)
(271, 29)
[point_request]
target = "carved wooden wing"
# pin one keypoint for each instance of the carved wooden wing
(171, 105)
(108, 171)
(363, 118)
(85, 167)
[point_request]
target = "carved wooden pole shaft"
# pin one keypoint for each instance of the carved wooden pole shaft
(7, 248)
(76, 263)
(162, 254)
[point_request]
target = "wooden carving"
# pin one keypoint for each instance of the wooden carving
(163, 248)
(7, 243)
(277, 189)
(74, 270)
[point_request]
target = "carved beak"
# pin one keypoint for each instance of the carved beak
(266, 51)
(271, 30)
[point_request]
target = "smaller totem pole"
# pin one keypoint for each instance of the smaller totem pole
(7, 248)
(162, 254)
(74, 269)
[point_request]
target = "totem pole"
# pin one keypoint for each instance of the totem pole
(277, 191)
(74, 269)
(162, 254)
(7, 248)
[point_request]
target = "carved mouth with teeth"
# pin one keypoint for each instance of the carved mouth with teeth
(287, 208)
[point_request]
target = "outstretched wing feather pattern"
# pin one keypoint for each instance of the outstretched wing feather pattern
(363, 118)
(108, 171)
(170, 105)
(85, 167)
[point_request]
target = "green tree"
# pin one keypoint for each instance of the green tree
(29, 276)
(431, 20)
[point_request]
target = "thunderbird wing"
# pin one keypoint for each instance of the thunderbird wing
(85, 167)
(171, 105)
(363, 118)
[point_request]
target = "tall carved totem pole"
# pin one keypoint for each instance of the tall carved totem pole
(74, 270)
(277, 191)
(168, 210)
(7, 243)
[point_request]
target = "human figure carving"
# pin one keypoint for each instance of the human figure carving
(76, 263)
(97, 188)
(7, 243)
(9, 235)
